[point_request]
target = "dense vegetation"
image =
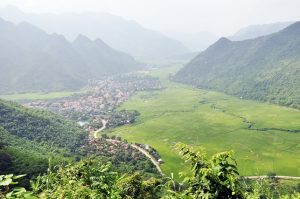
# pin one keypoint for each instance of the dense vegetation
(52, 63)
(29, 137)
(40, 126)
(121, 154)
(215, 177)
(266, 68)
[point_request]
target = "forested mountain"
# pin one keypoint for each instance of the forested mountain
(32, 60)
(28, 137)
(266, 68)
(255, 31)
(117, 32)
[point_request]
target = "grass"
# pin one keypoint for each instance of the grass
(201, 118)
(39, 96)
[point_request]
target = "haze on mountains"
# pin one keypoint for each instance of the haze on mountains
(265, 68)
(254, 31)
(164, 71)
(36, 61)
(195, 42)
(117, 32)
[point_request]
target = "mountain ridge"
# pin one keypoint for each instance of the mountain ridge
(266, 68)
(254, 31)
(121, 34)
(49, 62)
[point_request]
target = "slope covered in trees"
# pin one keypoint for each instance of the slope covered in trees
(266, 68)
(29, 137)
(32, 60)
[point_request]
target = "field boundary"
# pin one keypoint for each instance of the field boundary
(277, 177)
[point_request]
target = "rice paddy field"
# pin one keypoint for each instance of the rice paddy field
(39, 96)
(264, 137)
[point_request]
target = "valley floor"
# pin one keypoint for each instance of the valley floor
(265, 137)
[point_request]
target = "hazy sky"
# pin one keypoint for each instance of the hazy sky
(222, 17)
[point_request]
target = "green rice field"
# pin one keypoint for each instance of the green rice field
(264, 137)
(39, 96)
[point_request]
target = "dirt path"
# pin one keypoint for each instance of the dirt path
(279, 177)
(153, 160)
(104, 122)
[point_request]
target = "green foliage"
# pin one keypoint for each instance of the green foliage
(6, 181)
(40, 126)
(29, 137)
(86, 179)
(269, 188)
(132, 186)
(93, 179)
(211, 178)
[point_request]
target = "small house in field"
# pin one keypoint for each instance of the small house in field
(160, 161)
(147, 147)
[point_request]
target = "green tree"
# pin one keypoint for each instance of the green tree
(134, 187)
(216, 177)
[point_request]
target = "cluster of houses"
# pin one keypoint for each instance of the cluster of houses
(100, 101)
(153, 152)
(120, 151)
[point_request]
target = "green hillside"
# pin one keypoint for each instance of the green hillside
(266, 68)
(29, 137)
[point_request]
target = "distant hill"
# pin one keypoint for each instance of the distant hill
(255, 31)
(266, 68)
(32, 60)
(29, 137)
(117, 32)
(196, 42)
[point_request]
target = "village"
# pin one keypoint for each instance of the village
(100, 101)
(96, 109)
(120, 151)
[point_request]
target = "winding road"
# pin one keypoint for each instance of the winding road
(104, 122)
(146, 153)
(157, 165)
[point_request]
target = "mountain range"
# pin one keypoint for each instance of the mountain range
(199, 41)
(32, 60)
(254, 31)
(117, 32)
(266, 68)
